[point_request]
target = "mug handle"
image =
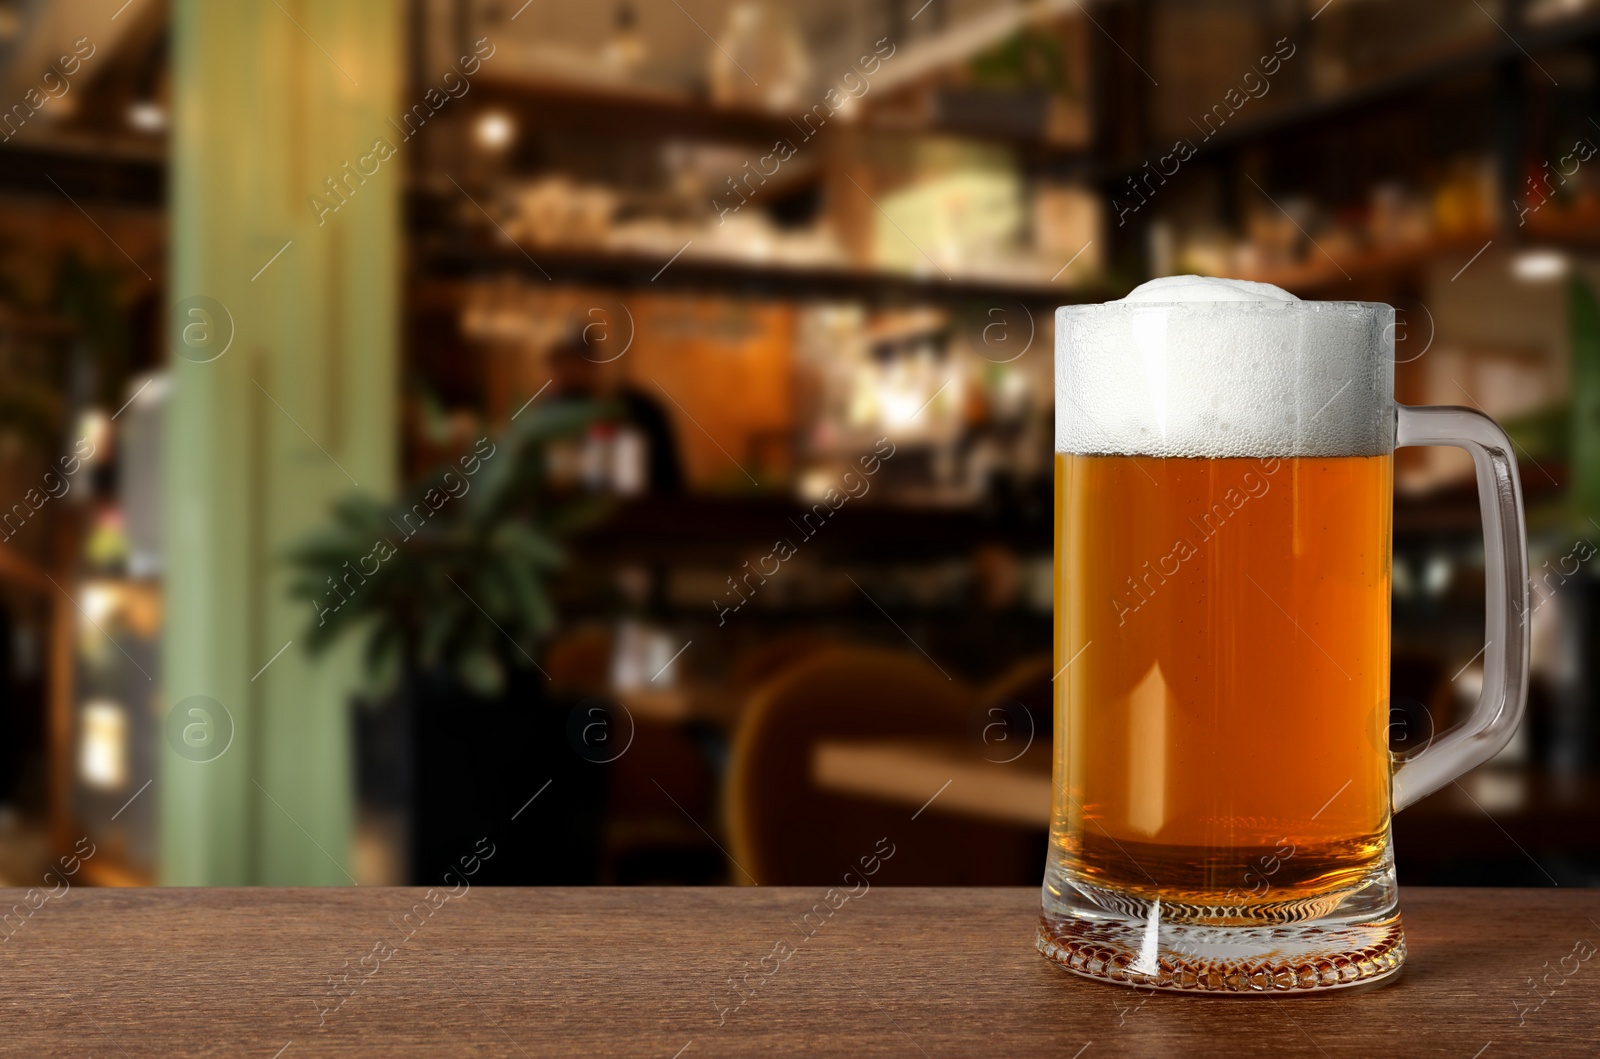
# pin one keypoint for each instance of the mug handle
(1494, 719)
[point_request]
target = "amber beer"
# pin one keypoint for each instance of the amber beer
(1224, 712)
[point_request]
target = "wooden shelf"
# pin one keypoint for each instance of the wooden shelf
(680, 529)
(1324, 274)
(1451, 510)
(612, 269)
(1576, 227)
(86, 173)
(550, 105)
(1295, 116)
(34, 323)
(21, 570)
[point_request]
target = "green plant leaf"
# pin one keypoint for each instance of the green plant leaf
(493, 546)
(482, 671)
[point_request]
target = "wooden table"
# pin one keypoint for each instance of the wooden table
(680, 704)
(646, 972)
(1504, 812)
(1015, 790)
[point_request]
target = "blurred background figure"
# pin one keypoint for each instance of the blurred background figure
(645, 455)
(619, 436)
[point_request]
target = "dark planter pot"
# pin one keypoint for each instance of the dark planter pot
(466, 768)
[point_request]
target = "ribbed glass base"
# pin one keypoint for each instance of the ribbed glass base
(1327, 942)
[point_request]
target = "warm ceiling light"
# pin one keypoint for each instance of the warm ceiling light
(1539, 266)
(494, 130)
(147, 116)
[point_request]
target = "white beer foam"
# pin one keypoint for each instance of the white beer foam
(1194, 366)
(1205, 289)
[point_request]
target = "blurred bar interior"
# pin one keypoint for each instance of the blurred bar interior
(624, 430)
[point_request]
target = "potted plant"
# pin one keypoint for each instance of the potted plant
(449, 591)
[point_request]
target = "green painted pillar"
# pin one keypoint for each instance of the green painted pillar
(271, 100)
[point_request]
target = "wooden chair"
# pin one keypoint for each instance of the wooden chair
(1029, 683)
(766, 660)
(786, 830)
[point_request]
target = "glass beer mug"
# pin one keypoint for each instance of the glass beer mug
(1223, 781)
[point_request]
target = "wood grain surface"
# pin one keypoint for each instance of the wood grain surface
(646, 972)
